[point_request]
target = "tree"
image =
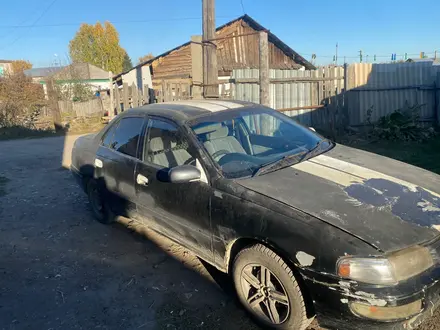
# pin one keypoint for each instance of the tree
(20, 65)
(98, 45)
(127, 64)
(20, 99)
(146, 58)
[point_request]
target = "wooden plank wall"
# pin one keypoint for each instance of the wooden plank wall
(177, 63)
(242, 52)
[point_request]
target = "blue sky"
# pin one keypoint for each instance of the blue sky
(375, 27)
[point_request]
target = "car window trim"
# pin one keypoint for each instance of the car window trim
(182, 128)
(143, 117)
(146, 142)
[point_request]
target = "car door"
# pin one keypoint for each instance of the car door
(178, 210)
(116, 161)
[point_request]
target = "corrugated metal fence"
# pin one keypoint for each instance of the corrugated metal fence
(332, 97)
(384, 88)
(297, 93)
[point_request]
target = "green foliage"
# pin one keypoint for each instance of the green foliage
(98, 45)
(127, 65)
(402, 124)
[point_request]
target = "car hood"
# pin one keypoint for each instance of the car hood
(387, 203)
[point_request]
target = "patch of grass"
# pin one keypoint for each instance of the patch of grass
(422, 154)
(3, 181)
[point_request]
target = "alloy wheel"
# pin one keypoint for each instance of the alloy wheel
(265, 294)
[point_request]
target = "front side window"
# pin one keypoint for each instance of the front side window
(166, 146)
(126, 136)
(243, 142)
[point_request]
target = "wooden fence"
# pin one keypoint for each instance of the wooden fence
(329, 98)
(297, 93)
(126, 97)
(89, 108)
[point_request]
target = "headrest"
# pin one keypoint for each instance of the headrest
(220, 132)
(160, 144)
(207, 128)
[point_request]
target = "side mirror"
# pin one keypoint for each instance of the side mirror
(312, 129)
(183, 174)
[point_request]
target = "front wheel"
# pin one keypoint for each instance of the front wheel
(99, 208)
(267, 288)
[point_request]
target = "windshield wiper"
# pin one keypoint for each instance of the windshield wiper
(312, 152)
(287, 160)
(280, 162)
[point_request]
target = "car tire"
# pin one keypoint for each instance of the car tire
(268, 289)
(99, 208)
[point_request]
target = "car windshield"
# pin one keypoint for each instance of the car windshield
(244, 141)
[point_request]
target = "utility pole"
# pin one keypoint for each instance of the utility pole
(210, 71)
(264, 79)
(264, 68)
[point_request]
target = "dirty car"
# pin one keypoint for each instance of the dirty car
(304, 227)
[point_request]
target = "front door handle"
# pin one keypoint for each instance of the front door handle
(142, 180)
(98, 163)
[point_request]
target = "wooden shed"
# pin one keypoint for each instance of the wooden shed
(232, 53)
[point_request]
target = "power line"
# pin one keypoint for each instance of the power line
(113, 22)
(32, 25)
(242, 7)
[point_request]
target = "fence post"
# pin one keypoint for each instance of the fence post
(163, 91)
(437, 98)
(111, 110)
(197, 67)
(134, 96)
(125, 96)
(117, 99)
(146, 94)
(345, 98)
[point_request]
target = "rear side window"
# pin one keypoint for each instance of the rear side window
(108, 138)
(126, 136)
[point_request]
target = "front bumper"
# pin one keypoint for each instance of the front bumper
(332, 299)
(78, 177)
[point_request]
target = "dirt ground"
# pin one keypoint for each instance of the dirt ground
(60, 269)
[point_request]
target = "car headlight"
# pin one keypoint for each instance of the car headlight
(387, 270)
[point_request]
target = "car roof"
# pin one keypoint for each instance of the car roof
(187, 109)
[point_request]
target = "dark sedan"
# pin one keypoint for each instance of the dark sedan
(303, 226)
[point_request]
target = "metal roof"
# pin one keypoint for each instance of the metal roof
(42, 72)
(184, 110)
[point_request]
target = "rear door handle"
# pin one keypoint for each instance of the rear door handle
(141, 180)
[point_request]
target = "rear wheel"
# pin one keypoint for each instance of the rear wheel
(99, 208)
(267, 288)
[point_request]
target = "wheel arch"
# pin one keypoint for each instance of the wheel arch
(241, 243)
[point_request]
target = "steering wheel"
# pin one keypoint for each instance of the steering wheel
(219, 153)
